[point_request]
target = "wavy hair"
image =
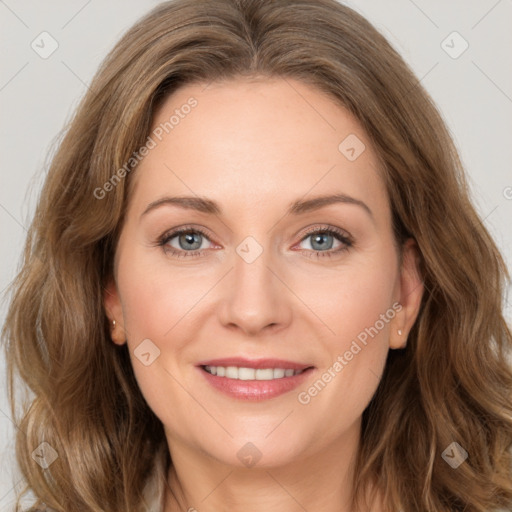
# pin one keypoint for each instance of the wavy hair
(453, 382)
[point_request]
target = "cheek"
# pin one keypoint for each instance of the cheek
(363, 322)
(159, 305)
(155, 297)
(351, 299)
(356, 305)
(155, 305)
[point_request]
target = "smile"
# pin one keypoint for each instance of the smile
(254, 384)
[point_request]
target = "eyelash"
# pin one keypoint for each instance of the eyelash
(337, 233)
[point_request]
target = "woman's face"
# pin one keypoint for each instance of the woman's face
(265, 270)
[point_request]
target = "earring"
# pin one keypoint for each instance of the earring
(399, 331)
(113, 324)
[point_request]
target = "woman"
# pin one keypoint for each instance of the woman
(255, 281)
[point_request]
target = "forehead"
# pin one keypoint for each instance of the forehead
(252, 142)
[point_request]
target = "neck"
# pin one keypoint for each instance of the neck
(319, 481)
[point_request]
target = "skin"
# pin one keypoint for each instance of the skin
(254, 147)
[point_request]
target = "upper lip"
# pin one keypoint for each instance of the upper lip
(242, 362)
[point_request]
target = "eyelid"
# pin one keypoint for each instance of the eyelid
(321, 228)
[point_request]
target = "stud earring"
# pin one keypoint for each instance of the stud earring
(113, 324)
(399, 332)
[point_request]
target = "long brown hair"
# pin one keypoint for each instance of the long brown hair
(453, 382)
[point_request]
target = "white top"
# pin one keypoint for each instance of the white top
(154, 492)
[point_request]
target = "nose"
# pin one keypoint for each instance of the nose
(255, 299)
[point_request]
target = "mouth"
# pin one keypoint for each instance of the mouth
(254, 379)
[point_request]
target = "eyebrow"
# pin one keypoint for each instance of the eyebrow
(298, 207)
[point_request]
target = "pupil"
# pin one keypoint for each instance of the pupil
(191, 238)
(320, 239)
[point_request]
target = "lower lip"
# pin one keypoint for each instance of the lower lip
(255, 389)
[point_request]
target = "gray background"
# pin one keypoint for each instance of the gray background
(37, 96)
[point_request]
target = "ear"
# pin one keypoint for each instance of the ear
(114, 312)
(410, 294)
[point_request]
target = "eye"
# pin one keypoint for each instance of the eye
(190, 241)
(322, 239)
(183, 242)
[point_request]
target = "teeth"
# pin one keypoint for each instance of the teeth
(279, 373)
(233, 372)
(243, 373)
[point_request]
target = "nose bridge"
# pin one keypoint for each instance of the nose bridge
(254, 297)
